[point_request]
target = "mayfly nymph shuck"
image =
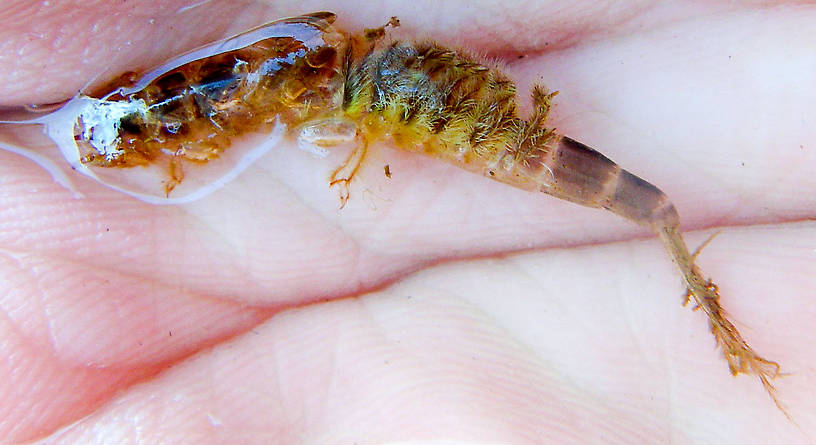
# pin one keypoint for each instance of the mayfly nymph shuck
(152, 135)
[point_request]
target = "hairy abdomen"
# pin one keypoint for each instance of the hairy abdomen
(441, 102)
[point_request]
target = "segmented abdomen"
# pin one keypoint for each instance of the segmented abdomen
(436, 100)
(444, 103)
(196, 109)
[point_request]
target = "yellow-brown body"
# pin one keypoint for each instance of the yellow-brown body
(195, 111)
(422, 97)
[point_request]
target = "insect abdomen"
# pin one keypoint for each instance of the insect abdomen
(443, 103)
(434, 100)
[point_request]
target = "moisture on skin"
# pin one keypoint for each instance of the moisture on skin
(326, 87)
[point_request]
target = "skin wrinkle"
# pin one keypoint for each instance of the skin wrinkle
(14, 327)
(199, 296)
(633, 321)
(710, 174)
(119, 42)
(220, 235)
(516, 33)
(411, 270)
(217, 233)
(626, 236)
(20, 9)
(337, 228)
(41, 300)
(87, 260)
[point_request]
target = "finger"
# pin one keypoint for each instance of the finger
(707, 108)
(518, 349)
(55, 48)
(408, 220)
(437, 242)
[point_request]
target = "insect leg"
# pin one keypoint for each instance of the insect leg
(175, 176)
(345, 173)
(335, 131)
(740, 356)
(583, 175)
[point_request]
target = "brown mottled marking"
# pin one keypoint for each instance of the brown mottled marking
(423, 97)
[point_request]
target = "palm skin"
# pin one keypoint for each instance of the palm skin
(264, 314)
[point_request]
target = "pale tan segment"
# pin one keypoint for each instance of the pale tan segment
(449, 105)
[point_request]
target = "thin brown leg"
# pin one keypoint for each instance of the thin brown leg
(740, 356)
(345, 173)
(175, 175)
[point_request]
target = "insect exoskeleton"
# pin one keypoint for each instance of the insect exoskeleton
(231, 100)
(155, 136)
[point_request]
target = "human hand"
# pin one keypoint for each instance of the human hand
(261, 313)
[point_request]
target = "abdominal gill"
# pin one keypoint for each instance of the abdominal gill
(446, 104)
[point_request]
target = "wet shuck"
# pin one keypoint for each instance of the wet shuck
(184, 129)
